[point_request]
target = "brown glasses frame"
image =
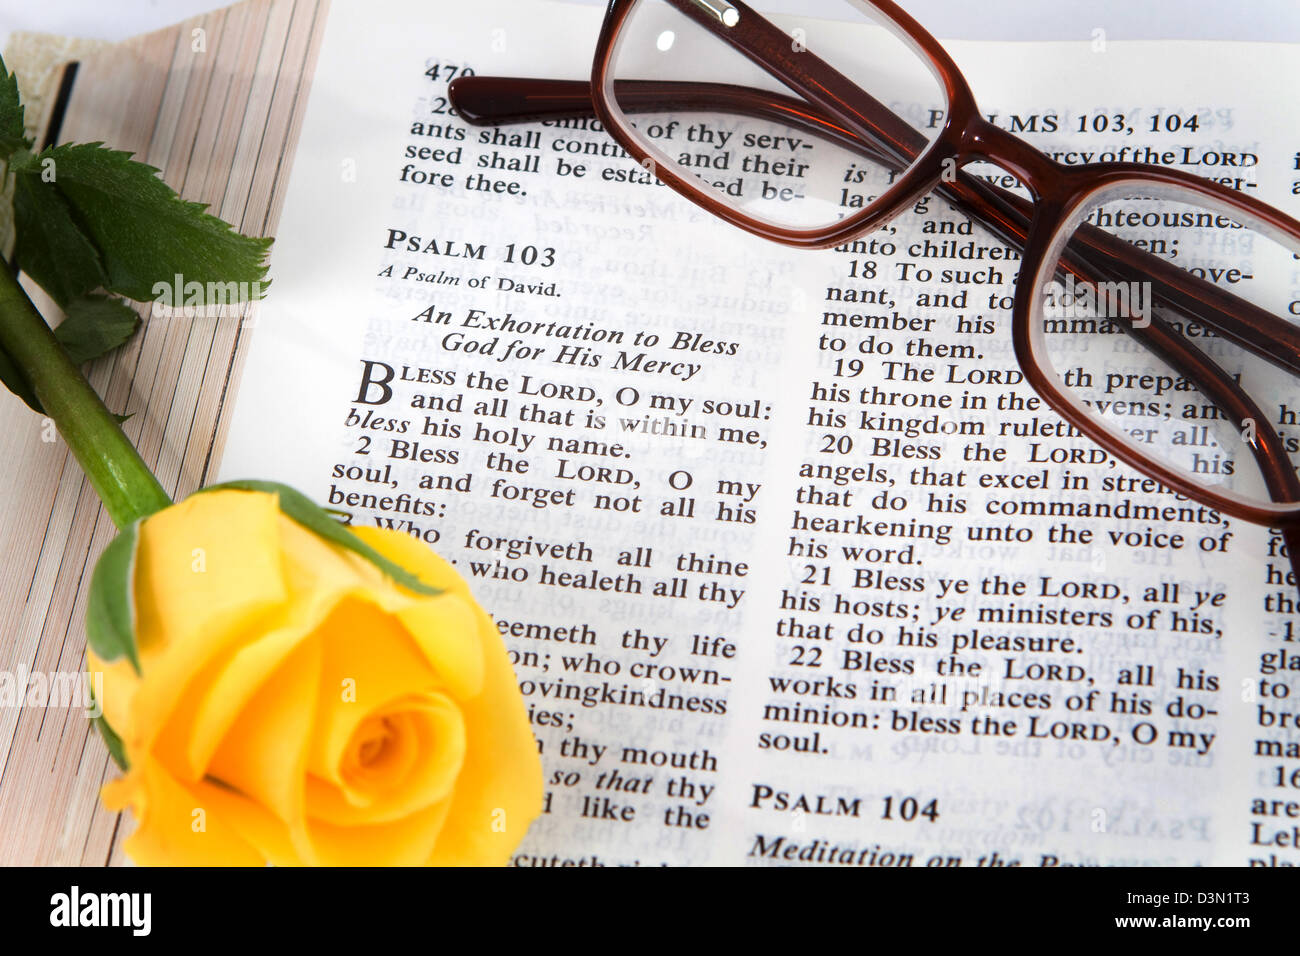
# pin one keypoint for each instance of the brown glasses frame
(836, 108)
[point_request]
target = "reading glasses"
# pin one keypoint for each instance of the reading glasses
(1156, 311)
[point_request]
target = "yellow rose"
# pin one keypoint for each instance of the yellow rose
(296, 706)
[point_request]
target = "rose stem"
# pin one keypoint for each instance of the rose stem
(119, 475)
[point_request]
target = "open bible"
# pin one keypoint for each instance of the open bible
(792, 564)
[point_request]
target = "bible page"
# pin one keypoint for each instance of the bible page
(775, 537)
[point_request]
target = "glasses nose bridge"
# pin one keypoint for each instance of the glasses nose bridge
(984, 141)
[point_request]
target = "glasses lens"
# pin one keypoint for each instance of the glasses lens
(1195, 370)
(703, 108)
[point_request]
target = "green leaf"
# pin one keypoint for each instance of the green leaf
(116, 749)
(16, 382)
(12, 122)
(145, 234)
(51, 247)
(95, 325)
(110, 606)
(316, 519)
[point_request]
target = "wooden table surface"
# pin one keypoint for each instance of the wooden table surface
(220, 118)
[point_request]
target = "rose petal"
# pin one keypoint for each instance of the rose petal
(415, 556)
(176, 825)
(264, 754)
(317, 577)
(369, 662)
(499, 790)
(432, 729)
(246, 672)
(207, 569)
(383, 750)
(446, 630)
(254, 823)
(404, 842)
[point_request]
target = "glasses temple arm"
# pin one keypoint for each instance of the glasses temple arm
(497, 100)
